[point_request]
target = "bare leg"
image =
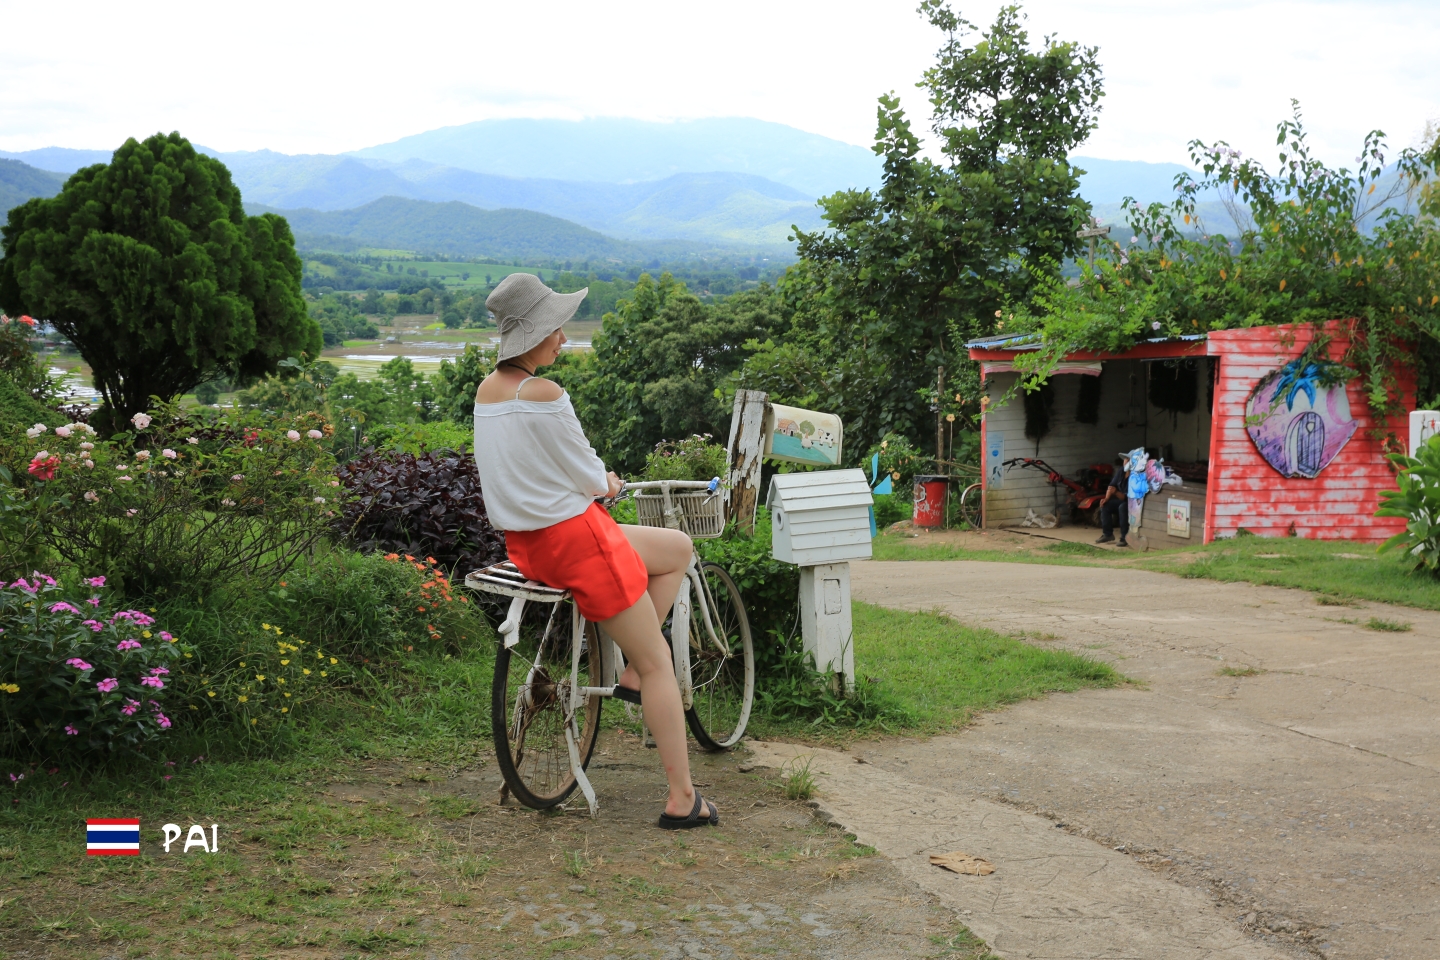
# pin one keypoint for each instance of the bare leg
(637, 631)
(666, 554)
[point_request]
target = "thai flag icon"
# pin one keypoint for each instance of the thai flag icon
(112, 838)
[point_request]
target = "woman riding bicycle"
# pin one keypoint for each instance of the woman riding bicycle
(540, 477)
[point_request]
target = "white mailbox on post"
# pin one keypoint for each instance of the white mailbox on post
(821, 521)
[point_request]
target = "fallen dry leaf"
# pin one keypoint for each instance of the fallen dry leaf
(957, 862)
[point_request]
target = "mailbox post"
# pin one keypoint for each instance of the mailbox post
(821, 521)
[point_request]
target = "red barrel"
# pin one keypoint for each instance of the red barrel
(930, 500)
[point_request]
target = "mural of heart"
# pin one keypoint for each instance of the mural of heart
(1299, 418)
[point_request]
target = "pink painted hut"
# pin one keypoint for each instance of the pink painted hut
(1265, 444)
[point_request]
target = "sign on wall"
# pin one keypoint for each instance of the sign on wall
(1299, 418)
(994, 459)
(1177, 518)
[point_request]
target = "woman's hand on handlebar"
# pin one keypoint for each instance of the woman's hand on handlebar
(616, 485)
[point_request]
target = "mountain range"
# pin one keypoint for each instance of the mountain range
(728, 182)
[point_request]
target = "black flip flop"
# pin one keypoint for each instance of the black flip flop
(668, 822)
(626, 694)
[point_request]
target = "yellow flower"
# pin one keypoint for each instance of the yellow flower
(188, 655)
(279, 679)
(284, 663)
(242, 663)
(333, 661)
(264, 626)
(193, 707)
(305, 671)
(287, 696)
(284, 709)
(279, 632)
(319, 656)
(211, 692)
(152, 609)
(10, 687)
(145, 634)
(244, 699)
(259, 676)
(322, 673)
(253, 721)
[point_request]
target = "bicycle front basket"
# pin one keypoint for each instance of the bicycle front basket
(700, 513)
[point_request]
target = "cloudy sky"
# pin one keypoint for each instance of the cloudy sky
(303, 77)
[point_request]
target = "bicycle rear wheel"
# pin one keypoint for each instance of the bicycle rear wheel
(527, 714)
(722, 670)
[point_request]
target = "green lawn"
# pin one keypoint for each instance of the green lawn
(1338, 569)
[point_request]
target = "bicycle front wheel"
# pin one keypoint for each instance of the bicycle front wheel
(722, 667)
(527, 713)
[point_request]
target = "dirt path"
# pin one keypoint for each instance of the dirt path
(1301, 800)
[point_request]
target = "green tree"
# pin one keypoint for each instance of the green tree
(657, 363)
(902, 273)
(457, 381)
(150, 266)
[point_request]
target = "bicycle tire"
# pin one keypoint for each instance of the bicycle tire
(724, 683)
(531, 750)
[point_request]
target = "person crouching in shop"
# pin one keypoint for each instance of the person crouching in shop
(1113, 509)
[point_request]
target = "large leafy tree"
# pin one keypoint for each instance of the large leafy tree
(903, 272)
(658, 362)
(150, 266)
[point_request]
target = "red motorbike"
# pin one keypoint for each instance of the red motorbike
(1083, 495)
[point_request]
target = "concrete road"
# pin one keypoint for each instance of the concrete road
(1302, 801)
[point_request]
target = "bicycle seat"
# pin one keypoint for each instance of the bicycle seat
(507, 581)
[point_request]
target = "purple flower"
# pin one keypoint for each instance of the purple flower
(70, 731)
(41, 576)
(158, 671)
(94, 602)
(155, 682)
(108, 684)
(130, 707)
(95, 625)
(78, 664)
(23, 585)
(62, 608)
(165, 635)
(124, 645)
(95, 582)
(134, 616)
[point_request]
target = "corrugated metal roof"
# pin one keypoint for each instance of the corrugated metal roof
(1030, 341)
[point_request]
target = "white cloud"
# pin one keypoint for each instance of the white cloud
(299, 76)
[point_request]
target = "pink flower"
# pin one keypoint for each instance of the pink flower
(62, 608)
(87, 445)
(23, 585)
(130, 707)
(314, 434)
(108, 684)
(126, 479)
(292, 434)
(319, 499)
(141, 421)
(131, 512)
(227, 502)
(89, 464)
(70, 731)
(42, 576)
(124, 645)
(94, 625)
(237, 478)
(142, 455)
(36, 430)
(78, 664)
(192, 441)
(135, 616)
(92, 496)
(164, 722)
(158, 671)
(155, 682)
(169, 454)
(62, 431)
(94, 582)
(43, 468)
(165, 635)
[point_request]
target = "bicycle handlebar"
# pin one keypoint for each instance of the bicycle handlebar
(710, 486)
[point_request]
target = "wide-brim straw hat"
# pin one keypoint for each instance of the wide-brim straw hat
(527, 312)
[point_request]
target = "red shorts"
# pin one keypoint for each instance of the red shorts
(588, 555)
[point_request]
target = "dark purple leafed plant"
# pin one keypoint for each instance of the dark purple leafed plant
(425, 506)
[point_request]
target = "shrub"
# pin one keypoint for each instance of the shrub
(889, 508)
(770, 589)
(1418, 503)
(178, 506)
(376, 609)
(268, 675)
(426, 505)
(694, 458)
(900, 460)
(417, 438)
(73, 680)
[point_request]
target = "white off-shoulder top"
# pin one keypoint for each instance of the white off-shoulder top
(536, 467)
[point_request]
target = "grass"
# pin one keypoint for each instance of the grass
(1387, 626)
(1239, 672)
(799, 781)
(940, 672)
(1340, 572)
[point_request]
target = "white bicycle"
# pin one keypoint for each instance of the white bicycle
(547, 694)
